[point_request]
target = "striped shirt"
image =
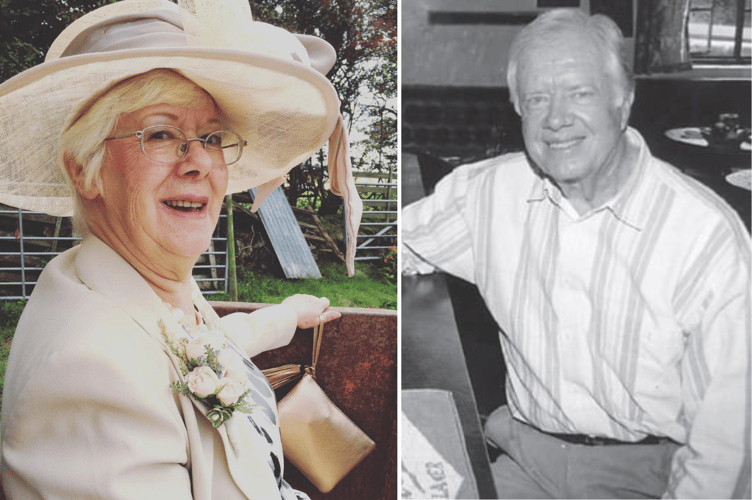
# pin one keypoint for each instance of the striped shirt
(627, 321)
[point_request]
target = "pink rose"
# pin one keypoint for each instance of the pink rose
(196, 347)
(231, 391)
(202, 381)
(236, 375)
(225, 358)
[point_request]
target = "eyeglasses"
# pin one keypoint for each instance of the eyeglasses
(168, 144)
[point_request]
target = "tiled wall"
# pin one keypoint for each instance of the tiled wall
(462, 123)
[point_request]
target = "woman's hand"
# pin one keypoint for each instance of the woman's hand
(310, 309)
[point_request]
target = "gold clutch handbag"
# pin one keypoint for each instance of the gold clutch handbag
(317, 437)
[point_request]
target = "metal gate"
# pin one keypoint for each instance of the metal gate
(29, 240)
(378, 226)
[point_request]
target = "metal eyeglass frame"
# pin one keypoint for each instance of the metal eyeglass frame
(140, 134)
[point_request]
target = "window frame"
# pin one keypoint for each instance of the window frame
(736, 59)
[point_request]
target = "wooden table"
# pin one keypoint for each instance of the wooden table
(693, 136)
(741, 179)
(432, 357)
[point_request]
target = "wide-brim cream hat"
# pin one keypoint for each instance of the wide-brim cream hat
(269, 84)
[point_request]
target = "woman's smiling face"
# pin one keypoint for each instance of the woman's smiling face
(163, 209)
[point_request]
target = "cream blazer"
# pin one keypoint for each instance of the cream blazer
(87, 410)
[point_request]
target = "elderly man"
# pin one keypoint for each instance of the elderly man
(620, 285)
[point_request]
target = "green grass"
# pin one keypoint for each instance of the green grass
(10, 312)
(368, 288)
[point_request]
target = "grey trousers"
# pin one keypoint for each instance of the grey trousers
(536, 465)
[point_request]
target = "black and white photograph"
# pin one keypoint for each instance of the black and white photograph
(575, 249)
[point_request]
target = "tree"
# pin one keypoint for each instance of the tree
(364, 35)
(27, 29)
(381, 86)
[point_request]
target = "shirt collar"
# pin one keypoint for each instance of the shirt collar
(624, 206)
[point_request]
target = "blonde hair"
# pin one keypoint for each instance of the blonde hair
(83, 142)
(549, 27)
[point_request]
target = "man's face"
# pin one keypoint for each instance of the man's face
(573, 113)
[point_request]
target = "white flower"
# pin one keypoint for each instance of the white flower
(202, 381)
(231, 391)
(196, 347)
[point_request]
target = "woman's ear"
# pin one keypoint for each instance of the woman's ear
(76, 174)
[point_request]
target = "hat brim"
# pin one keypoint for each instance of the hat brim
(285, 110)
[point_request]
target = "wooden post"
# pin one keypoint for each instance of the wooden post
(56, 235)
(213, 265)
(232, 277)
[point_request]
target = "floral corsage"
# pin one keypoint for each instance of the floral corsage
(207, 366)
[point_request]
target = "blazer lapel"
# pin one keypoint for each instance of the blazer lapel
(96, 264)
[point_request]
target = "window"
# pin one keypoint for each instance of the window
(719, 31)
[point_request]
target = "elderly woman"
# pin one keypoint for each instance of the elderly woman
(151, 118)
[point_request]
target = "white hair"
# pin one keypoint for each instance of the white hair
(551, 26)
(83, 143)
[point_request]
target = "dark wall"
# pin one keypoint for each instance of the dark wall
(661, 104)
